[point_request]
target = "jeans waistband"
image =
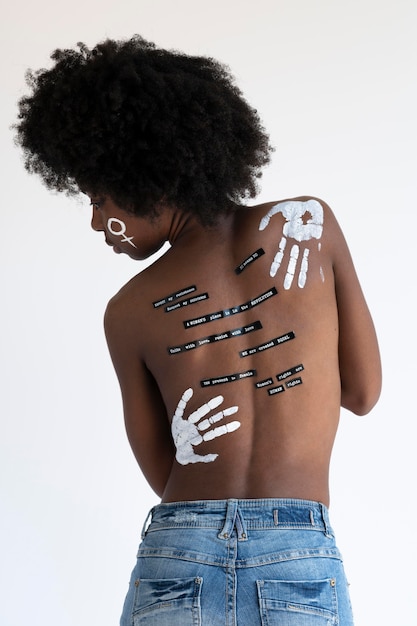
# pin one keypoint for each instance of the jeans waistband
(225, 516)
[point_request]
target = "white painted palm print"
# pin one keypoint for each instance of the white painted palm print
(299, 227)
(187, 432)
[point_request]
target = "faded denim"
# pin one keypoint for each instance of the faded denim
(268, 562)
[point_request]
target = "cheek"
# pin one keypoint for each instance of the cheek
(118, 228)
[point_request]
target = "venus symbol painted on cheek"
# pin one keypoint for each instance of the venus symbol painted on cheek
(120, 230)
(186, 432)
(300, 227)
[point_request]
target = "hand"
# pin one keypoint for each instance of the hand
(300, 229)
(185, 432)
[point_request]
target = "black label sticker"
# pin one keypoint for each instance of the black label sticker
(290, 372)
(264, 383)
(268, 344)
(228, 334)
(275, 390)
(230, 378)
(211, 317)
(294, 382)
(193, 300)
(174, 296)
(255, 255)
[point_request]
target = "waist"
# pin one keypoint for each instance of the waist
(252, 514)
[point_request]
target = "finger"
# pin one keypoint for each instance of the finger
(295, 250)
(197, 439)
(205, 458)
(217, 417)
(302, 277)
(266, 218)
(221, 430)
(204, 409)
(278, 257)
(179, 412)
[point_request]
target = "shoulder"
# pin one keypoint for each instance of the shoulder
(296, 230)
(125, 309)
(134, 305)
(301, 218)
(292, 208)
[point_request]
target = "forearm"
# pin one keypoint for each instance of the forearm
(158, 472)
(359, 363)
(153, 449)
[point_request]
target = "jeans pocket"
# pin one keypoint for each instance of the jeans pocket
(298, 603)
(165, 602)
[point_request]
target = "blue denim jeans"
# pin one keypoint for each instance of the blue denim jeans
(233, 562)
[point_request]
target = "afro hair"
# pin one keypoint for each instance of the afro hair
(143, 125)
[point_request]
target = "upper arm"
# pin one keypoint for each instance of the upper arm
(147, 426)
(359, 359)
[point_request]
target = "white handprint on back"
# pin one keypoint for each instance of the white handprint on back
(186, 432)
(296, 228)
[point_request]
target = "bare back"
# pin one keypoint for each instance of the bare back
(238, 332)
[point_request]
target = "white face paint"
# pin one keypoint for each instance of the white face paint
(120, 230)
(186, 432)
(298, 228)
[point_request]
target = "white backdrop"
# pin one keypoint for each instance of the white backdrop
(335, 83)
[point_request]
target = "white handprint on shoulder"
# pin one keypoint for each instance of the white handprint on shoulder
(295, 227)
(186, 432)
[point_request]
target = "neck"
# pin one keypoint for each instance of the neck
(180, 225)
(184, 226)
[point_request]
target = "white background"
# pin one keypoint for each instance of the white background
(335, 83)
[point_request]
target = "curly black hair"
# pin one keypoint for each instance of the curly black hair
(143, 125)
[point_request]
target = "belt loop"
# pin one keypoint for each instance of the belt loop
(242, 531)
(313, 523)
(229, 521)
(144, 528)
(325, 518)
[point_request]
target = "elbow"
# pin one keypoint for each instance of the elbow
(360, 392)
(361, 401)
(358, 407)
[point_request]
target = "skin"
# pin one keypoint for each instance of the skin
(283, 444)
